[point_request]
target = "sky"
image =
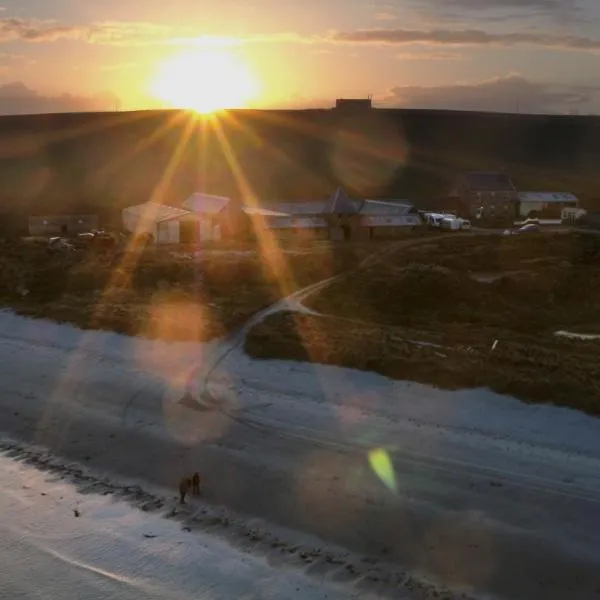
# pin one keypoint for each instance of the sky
(540, 56)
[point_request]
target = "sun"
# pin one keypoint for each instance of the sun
(205, 80)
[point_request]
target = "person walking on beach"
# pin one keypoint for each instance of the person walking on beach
(184, 487)
(196, 484)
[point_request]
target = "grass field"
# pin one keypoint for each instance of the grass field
(433, 312)
(159, 293)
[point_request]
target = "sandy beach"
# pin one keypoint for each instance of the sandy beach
(492, 496)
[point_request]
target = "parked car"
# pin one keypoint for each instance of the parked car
(529, 228)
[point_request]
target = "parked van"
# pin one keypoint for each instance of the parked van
(450, 224)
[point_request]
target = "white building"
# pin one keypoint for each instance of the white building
(203, 218)
(550, 204)
(160, 221)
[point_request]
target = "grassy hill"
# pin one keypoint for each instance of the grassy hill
(105, 161)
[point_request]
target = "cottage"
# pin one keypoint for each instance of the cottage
(62, 224)
(488, 196)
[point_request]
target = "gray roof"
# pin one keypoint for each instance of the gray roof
(381, 207)
(489, 182)
(339, 203)
(264, 212)
(156, 211)
(547, 197)
(207, 204)
(318, 207)
(308, 207)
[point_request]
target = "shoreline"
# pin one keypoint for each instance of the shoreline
(279, 546)
(483, 477)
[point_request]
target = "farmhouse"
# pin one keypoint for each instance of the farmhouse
(487, 196)
(62, 224)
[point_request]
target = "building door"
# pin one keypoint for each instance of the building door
(346, 232)
(188, 232)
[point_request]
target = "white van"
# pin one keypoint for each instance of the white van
(451, 224)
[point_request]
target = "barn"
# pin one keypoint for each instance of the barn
(386, 219)
(341, 218)
(159, 221)
(202, 218)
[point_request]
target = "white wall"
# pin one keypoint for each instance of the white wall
(168, 232)
(137, 223)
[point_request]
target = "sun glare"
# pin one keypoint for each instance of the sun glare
(205, 80)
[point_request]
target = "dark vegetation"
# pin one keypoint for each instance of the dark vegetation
(157, 294)
(433, 312)
(102, 162)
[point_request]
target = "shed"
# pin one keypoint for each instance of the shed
(62, 224)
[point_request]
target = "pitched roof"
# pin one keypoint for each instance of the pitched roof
(156, 212)
(489, 182)
(264, 212)
(339, 203)
(382, 207)
(307, 207)
(206, 203)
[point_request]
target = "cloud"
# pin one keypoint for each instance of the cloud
(18, 99)
(498, 10)
(109, 32)
(501, 94)
(131, 33)
(35, 30)
(385, 16)
(430, 56)
(466, 37)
